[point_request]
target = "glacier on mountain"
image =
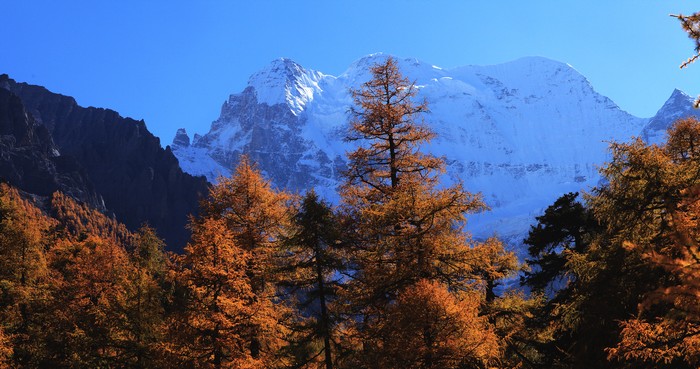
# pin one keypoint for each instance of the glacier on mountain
(522, 133)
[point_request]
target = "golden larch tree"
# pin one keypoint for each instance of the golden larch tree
(402, 227)
(89, 326)
(429, 327)
(215, 325)
(5, 351)
(24, 274)
(666, 329)
(254, 216)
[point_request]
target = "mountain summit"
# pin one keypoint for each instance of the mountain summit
(285, 82)
(679, 105)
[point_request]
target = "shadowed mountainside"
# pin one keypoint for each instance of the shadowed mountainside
(114, 164)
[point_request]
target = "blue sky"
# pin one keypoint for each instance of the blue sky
(173, 63)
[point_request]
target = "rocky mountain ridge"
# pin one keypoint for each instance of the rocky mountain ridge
(112, 163)
(30, 160)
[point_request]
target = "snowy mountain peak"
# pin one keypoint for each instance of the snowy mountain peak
(540, 61)
(367, 61)
(284, 81)
(679, 105)
(544, 67)
(677, 98)
(281, 69)
(532, 76)
(415, 69)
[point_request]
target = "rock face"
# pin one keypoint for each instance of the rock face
(122, 162)
(523, 133)
(181, 138)
(30, 160)
(269, 123)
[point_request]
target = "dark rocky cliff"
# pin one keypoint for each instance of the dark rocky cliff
(30, 160)
(138, 180)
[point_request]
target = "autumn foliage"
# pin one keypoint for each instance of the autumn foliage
(406, 243)
(430, 327)
(388, 278)
(626, 261)
(667, 326)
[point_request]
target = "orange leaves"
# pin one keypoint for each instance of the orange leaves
(78, 298)
(386, 117)
(691, 25)
(215, 275)
(412, 297)
(213, 327)
(683, 140)
(654, 203)
(90, 298)
(246, 199)
(5, 351)
(658, 342)
(22, 231)
(429, 327)
(232, 318)
(213, 252)
(78, 220)
(255, 215)
(24, 273)
(675, 333)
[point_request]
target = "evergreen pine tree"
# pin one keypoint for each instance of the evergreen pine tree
(567, 225)
(146, 298)
(314, 265)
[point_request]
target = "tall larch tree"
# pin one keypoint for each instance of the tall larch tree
(24, 274)
(403, 227)
(638, 211)
(90, 327)
(666, 329)
(256, 216)
(146, 297)
(214, 328)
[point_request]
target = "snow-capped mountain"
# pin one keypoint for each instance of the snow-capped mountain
(522, 133)
(678, 106)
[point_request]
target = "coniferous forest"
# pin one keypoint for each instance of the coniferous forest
(387, 278)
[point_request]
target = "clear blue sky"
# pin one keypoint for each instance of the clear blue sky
(173, 63)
